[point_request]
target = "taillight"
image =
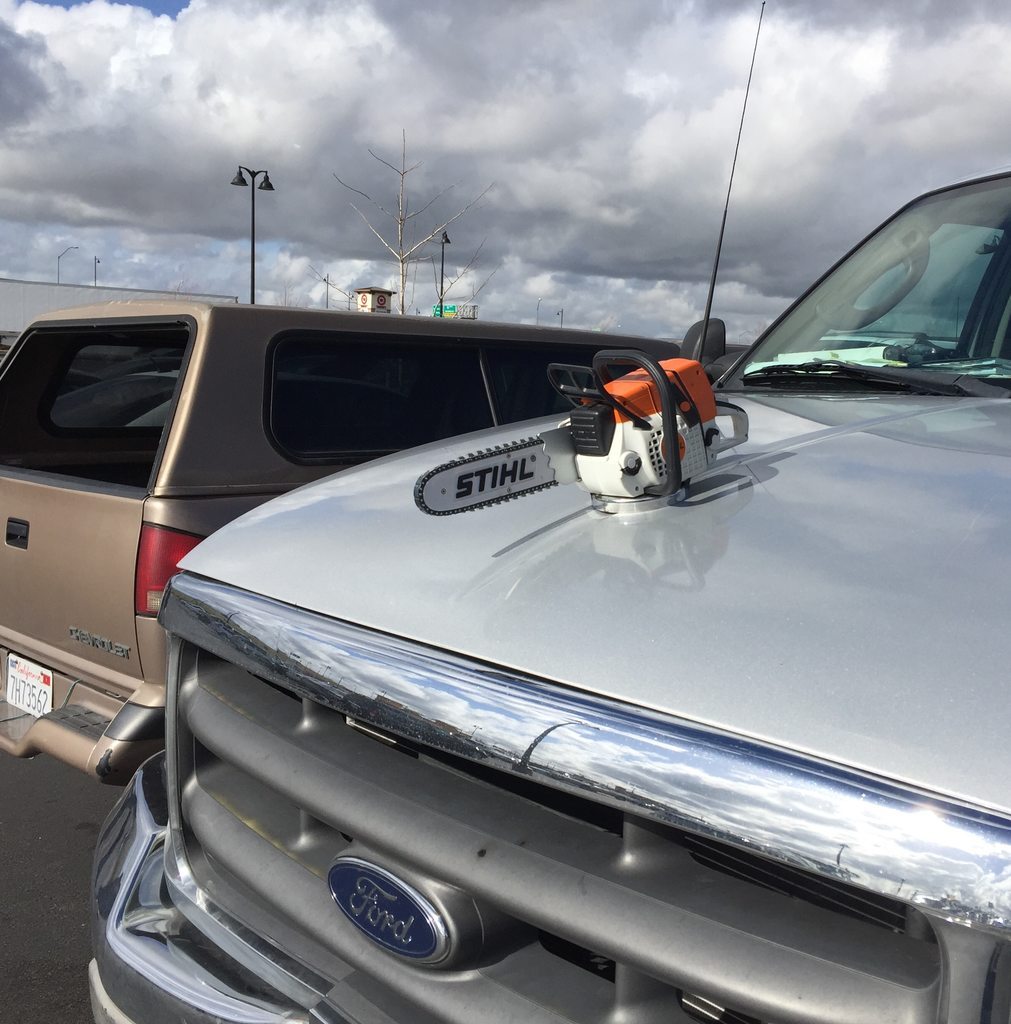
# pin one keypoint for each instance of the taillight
(158, 557)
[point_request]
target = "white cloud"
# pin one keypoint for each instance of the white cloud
(608, 130)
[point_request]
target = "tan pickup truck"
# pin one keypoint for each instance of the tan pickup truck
(129, 431)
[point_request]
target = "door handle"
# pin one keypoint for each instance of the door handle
(17, 533)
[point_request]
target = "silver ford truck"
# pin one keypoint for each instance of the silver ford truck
(685, 706)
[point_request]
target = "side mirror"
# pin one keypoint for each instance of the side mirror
(718, 367)
(707, 349)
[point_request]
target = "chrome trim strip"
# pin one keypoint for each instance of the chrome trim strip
(140, 927)
(948, 859)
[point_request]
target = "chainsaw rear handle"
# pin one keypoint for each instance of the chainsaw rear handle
(739, 418)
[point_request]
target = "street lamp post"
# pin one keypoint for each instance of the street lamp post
(264, 186)
(442, 272)
(537, 315)
(561, 317)
(60, 257)
(97, 261)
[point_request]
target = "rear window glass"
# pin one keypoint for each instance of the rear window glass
(519, 379)
(370, 394)
(118, 386)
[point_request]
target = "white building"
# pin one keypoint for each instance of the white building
(21, 302)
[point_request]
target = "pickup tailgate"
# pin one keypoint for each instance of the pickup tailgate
(67, 565)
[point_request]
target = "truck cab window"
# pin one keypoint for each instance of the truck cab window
(352, 395)
(521, 387)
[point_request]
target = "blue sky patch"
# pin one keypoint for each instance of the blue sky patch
(169, 7)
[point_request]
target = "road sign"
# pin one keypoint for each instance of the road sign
(447, 310)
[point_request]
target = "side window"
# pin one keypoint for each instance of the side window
(121, 386)
(333, 395)
(520, 383)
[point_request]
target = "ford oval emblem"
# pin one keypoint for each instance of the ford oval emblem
(390, 912)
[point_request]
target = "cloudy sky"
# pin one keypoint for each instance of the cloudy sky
(605, 130)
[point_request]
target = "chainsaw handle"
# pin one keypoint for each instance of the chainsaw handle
(625, 357)
(670, 395)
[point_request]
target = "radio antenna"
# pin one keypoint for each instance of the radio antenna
(730, 185)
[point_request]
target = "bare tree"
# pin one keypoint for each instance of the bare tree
(289, 297)
(404, 244)
(452, 282)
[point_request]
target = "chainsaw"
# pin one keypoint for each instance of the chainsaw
(639, 430)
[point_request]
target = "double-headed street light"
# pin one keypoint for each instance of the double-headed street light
(60, 257)
(265, 186)
(442, 272)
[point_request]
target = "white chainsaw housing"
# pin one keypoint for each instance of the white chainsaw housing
(610, 476)
(636, 459)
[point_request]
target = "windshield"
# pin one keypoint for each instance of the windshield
(930, 291)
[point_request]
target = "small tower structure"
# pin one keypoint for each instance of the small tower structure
(373, 300)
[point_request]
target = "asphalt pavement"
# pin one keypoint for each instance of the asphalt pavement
(49, 820)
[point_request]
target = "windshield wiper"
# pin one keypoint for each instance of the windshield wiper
(922, 382)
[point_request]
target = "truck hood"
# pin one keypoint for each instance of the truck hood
(836, 587)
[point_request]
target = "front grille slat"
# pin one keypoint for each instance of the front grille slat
(821, 891)
(640, 900)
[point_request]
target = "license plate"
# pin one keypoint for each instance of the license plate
(29, 686)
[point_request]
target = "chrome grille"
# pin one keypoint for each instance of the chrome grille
(598, 907)
(278, 787)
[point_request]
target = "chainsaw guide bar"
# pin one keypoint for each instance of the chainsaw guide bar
(485, 478)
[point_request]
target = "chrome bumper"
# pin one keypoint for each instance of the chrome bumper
(163, 952)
